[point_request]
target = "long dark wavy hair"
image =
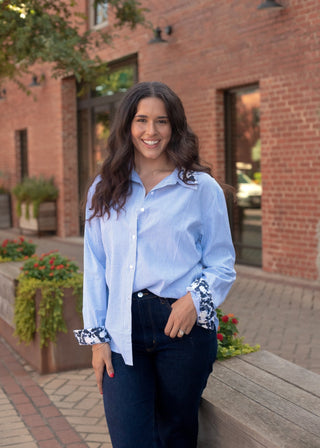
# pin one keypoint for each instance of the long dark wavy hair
(183, 148)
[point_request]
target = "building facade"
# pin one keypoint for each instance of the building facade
(249, 80)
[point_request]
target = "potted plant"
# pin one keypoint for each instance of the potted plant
(16, 250)
(36, 204)
(47, 309)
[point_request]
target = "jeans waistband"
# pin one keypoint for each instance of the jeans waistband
(143, 293)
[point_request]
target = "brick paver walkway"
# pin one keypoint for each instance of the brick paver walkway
(65, 409)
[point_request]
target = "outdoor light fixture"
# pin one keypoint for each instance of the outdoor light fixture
(270, 4)
(36, 82)
(3, 94)
(157, 34)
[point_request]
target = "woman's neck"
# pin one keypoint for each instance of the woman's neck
(151, 174)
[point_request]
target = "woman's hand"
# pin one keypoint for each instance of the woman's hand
(101, 358)
(183, 317)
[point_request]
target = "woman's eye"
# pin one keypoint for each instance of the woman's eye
(163, 121)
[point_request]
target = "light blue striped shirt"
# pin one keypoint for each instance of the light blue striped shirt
(173, 240)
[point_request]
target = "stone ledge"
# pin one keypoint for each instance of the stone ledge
(260, 400)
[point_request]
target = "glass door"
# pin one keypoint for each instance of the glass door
(243, 172)
(94, 128)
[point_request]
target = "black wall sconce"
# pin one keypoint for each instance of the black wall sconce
(270, 4)
(37, 82)
(157, 34)
(3, 94)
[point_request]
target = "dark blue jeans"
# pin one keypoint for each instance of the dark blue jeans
(155, 402)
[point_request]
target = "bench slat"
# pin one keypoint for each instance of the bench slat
(244, 415)
(268, 399)
(286, 370)
(282, 388)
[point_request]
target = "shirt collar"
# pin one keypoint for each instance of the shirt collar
(172, 179)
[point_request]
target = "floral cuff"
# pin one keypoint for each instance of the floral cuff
(92, 336)
(207, 312)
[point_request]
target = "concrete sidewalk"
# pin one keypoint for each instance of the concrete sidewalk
(281, 314)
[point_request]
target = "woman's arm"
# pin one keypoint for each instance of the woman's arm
(95, 296)
(218, 257)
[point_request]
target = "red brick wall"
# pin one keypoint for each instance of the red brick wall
(215, 46)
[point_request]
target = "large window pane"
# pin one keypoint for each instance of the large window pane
(243, 150)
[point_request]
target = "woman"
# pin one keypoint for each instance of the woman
(158, 260)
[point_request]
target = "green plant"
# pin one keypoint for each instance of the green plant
(33, 190)
(17, 249)
(51, 273)
(229, 344)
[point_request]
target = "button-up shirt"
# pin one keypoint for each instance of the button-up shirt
(172, 240)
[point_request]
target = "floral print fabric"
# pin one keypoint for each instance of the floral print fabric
(206, 310)
(92, 336)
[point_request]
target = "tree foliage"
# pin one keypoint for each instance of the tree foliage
(53, 31)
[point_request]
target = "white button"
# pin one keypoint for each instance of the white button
(131, 266)
(140, 294)
(152, 193)
(133, 237)
(141, 209)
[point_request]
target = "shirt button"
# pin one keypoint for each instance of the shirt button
(141, 209)
(133, 237)
(131, 266)
(140, 294)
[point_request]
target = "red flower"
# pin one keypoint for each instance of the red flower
(21, 239)
(51, 274)
(225, 318)
(220, 336)
(26, 257)
(36, 265)
(51, 261)
(234, 321)
(52, 267)
(5, 242)
(42, 268)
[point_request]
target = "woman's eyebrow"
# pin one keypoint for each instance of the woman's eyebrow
(145, 116)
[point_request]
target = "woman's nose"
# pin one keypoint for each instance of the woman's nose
(151, 129)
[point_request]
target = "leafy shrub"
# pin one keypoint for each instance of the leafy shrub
(17, 249)
(49, 266)
(52, 273)
(33, 190)
(229, 344)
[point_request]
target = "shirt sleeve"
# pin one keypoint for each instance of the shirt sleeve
(218, 257)
(95, 291)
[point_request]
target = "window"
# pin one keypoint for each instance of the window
(243, 171)
(98, 13)
(114, 81)
(97, 104)
(22, 153)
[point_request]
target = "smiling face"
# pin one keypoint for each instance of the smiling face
(151, 132)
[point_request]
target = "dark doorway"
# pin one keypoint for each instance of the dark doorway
(96, 109)
(243, 171)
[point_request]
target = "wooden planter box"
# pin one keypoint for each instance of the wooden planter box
(65, 354)
(45, 222)
(5, 211)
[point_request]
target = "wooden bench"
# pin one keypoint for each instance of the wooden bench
(260, 400)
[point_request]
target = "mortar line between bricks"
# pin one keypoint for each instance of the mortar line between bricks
(40, 410)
